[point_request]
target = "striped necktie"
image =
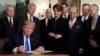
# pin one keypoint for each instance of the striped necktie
(93, 24)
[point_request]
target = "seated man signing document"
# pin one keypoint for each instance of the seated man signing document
(25, 40)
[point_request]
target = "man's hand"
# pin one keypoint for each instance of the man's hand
(51, 34)
(39, 49)
(21, 48)
(93, 43)
(80, 50)
(58, 36)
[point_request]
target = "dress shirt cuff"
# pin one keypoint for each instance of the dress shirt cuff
(15, 50)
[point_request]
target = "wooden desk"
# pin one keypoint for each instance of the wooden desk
(23, 54)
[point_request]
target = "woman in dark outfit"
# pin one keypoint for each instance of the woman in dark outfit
(58, 30)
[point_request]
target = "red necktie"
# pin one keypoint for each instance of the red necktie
(10, 24)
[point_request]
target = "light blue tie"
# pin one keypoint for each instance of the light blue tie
(26, 44)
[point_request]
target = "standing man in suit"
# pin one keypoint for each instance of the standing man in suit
(8, 23)
(85, 11)
(44, 28)
(65, 13)
(76, 33)
(25, 40)
(92, 32)
(30, 16)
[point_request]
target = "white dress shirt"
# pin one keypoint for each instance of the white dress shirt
(84, 18)
(28, 15)
(9, 19)
(28, 42)
(65, 15)
(16, 48)
(72, 22)
(46, 21)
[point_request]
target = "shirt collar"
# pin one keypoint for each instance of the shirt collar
(73, 20)
(86, 17)
(28, 15)
(46, 19)
(66, 15)
(9, 18)
(25, 35)
(95, 18)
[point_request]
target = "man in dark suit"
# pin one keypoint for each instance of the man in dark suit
(44, 28)
(85, 11)
(8, 23)
(76, 33)
(25, 40)
(92, 33)
(29, 16)
(65, 12)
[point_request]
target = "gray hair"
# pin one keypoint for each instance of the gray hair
(49, 9)
(74, 7)
(32, 4)
(10, 6)
(95, 6)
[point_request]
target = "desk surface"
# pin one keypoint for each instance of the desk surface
(44, 54)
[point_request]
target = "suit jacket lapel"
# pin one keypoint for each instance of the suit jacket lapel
(90, 23)
(14, 23)
(6, 20)
(31, 41)
(74, 25)
(97, 24)
(44, 23)
(26, 17)
(34, 19)
(22, 39)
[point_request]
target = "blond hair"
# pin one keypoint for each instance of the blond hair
(28, 22)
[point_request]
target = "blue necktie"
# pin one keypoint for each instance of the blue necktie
(26, 44)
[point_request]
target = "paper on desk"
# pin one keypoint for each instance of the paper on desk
(38, 52)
